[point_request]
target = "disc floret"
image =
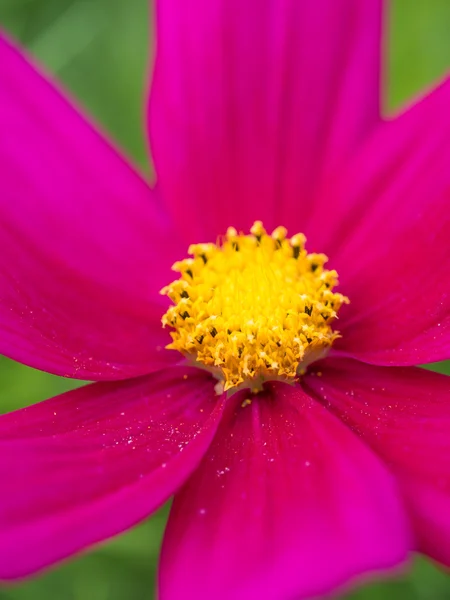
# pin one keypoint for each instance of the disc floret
(254, 307)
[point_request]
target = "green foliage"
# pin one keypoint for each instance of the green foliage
(99, 49)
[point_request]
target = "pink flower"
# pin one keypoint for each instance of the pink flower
(272, 113)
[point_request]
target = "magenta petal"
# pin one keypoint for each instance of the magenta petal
(404, 415)
(253, 104)
(287, 503)
(394, 264)
(86, 465)
(84, 246)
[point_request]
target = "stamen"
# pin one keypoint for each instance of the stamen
(253, 308)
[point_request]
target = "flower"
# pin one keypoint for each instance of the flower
(273, 114)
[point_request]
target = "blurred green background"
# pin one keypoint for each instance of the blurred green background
(100, 50)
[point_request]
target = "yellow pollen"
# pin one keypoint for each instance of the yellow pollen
(253, 308)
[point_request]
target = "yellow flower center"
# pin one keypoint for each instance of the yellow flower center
(253, 308)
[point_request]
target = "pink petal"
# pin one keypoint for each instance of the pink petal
(394, 265)
(404, 415)
(85, 247)
(86, 465)
(253, 104)
(287, 503)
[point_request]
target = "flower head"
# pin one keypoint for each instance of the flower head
(307, 449)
